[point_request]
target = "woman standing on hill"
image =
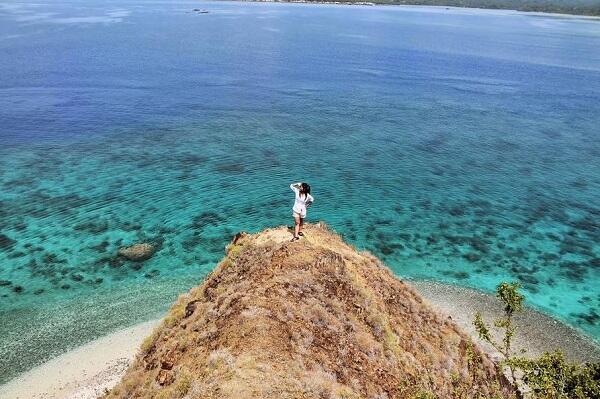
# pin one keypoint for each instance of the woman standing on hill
(303, 201)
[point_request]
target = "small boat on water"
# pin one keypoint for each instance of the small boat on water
(199, 11)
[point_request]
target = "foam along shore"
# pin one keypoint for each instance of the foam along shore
(87, 371)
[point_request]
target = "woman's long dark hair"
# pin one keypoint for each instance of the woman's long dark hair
(305, 189)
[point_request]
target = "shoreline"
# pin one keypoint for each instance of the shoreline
(87, 371)
(370, 4)
(537, 332)
(84, 372)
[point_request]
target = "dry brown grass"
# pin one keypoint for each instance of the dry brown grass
(309, 319)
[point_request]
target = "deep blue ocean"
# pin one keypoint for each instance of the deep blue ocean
(460, 146)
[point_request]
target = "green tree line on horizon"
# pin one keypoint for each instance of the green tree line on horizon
(575, 7)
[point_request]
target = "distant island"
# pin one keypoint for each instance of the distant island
(574, 7)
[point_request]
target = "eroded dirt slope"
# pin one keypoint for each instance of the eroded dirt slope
(309, 319)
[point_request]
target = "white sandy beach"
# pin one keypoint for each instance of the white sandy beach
(86, 372)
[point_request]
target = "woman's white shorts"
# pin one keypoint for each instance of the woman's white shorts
(299, 214)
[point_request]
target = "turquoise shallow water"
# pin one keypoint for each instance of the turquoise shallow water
(458, 145)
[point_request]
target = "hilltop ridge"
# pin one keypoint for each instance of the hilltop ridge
(309, 319)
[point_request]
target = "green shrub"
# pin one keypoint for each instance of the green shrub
(183, 383)
(148, 342)
(425, 395)
(512, 300)
(552, 377)
(549, 376)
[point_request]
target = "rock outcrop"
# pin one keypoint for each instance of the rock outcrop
(309, 319)
(137, 252)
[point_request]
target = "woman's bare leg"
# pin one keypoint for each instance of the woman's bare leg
(301, 225)
(297, 221)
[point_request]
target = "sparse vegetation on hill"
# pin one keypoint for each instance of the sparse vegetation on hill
(309, 319)
(548, 377)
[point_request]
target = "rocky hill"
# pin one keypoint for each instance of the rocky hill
(309, 319)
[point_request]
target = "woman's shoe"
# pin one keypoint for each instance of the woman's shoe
(294, 239)
(301, 234)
